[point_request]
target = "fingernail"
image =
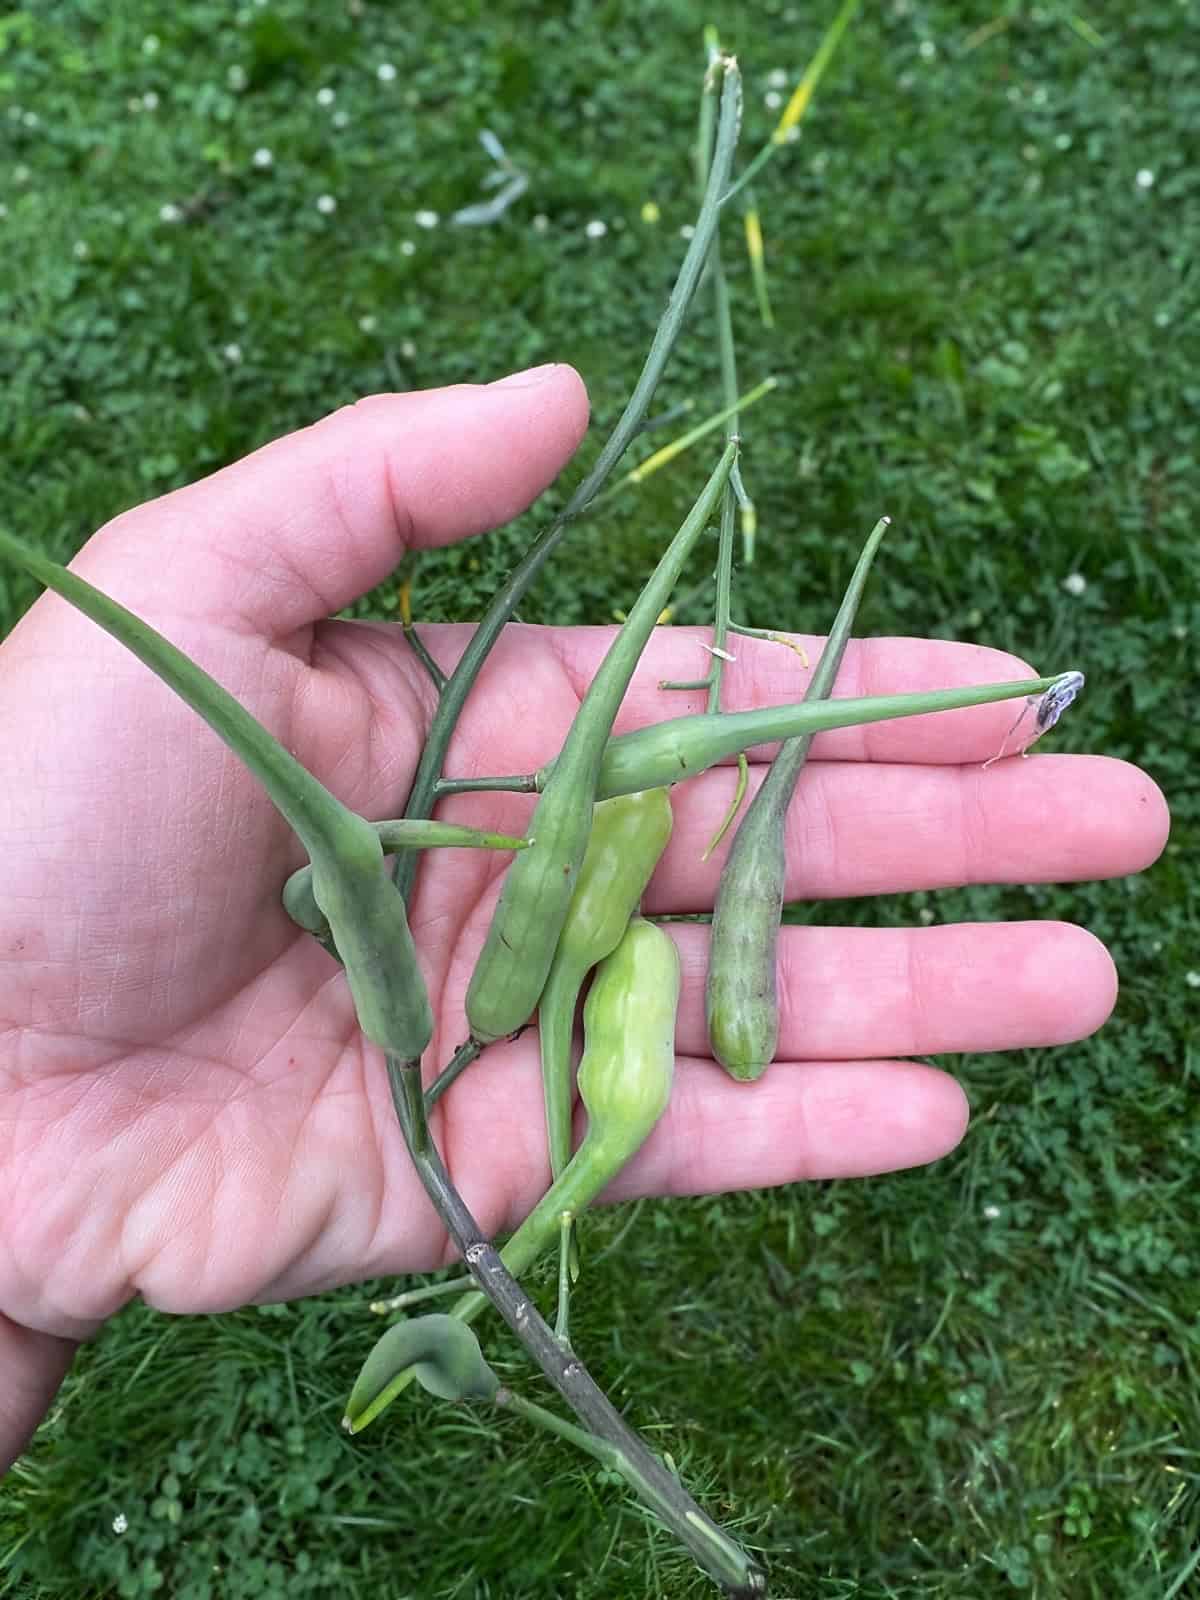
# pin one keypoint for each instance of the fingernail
(527, 379)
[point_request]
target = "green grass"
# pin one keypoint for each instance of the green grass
(961, 1382)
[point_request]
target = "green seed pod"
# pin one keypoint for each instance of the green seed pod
(629, 1027)
(629, 834)
(683, 747)
(439, 1351)
(513, 965)
(740, 996)
(624, 1082)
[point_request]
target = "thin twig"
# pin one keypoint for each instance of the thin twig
(724, 1560)
(458, 686)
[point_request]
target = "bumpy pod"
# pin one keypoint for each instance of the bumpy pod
(629, 834)
(624, 1082)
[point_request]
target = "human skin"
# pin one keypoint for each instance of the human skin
(188, 1111)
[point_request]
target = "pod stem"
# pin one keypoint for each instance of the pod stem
(724, 1560)
(713, 1549)
(454, 694)
(458, 1063)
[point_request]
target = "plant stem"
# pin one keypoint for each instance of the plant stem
(723, 1559)
(457, 1064)
(412, 1297)
(458, 686)
(713, 1550)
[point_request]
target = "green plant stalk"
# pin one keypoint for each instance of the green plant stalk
(801, 95)
(676, 447)
(508, 597)
(350, 885)
(740, 1578)
(512, 967)
(741, 999)
(712, 1548)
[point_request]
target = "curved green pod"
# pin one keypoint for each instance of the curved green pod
(350, 886)
(513, 965)
(625, 1080)
(629, 834)
(741, 1002)
(683, 747)
(439, 1351)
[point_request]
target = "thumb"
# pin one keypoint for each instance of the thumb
(305, 525)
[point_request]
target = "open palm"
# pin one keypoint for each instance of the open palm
(187, 1109)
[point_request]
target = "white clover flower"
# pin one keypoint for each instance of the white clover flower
(926, 915)
(772, 99)
(170, 213)
(120, 1523)
(777, 78)
(326, 96)
(237, 78)
(81, 250)
(991, 1212)
(1074, 583)
(150, 44)
(368, 323)
(687, 231)
(20, 173)
(262, 157)
(1192, 979)
(150, 100)
(596, 229)
(30, 119)
(232, 353)
(340, 118)
(927, 50)
(540, 223)
(426, 219)
(408, 349)
(385, 72)
(1145, 178)
(326, 204)
(407, 247)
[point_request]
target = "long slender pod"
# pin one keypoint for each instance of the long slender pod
(513, 965)
(508, 597)
(350, 885)
(682, 747)
(740, 996)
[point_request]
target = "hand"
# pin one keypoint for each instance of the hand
(187, 1109)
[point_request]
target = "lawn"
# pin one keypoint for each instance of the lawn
(218, 224)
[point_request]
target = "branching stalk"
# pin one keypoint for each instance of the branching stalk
(719, 1555)
(458, 686)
